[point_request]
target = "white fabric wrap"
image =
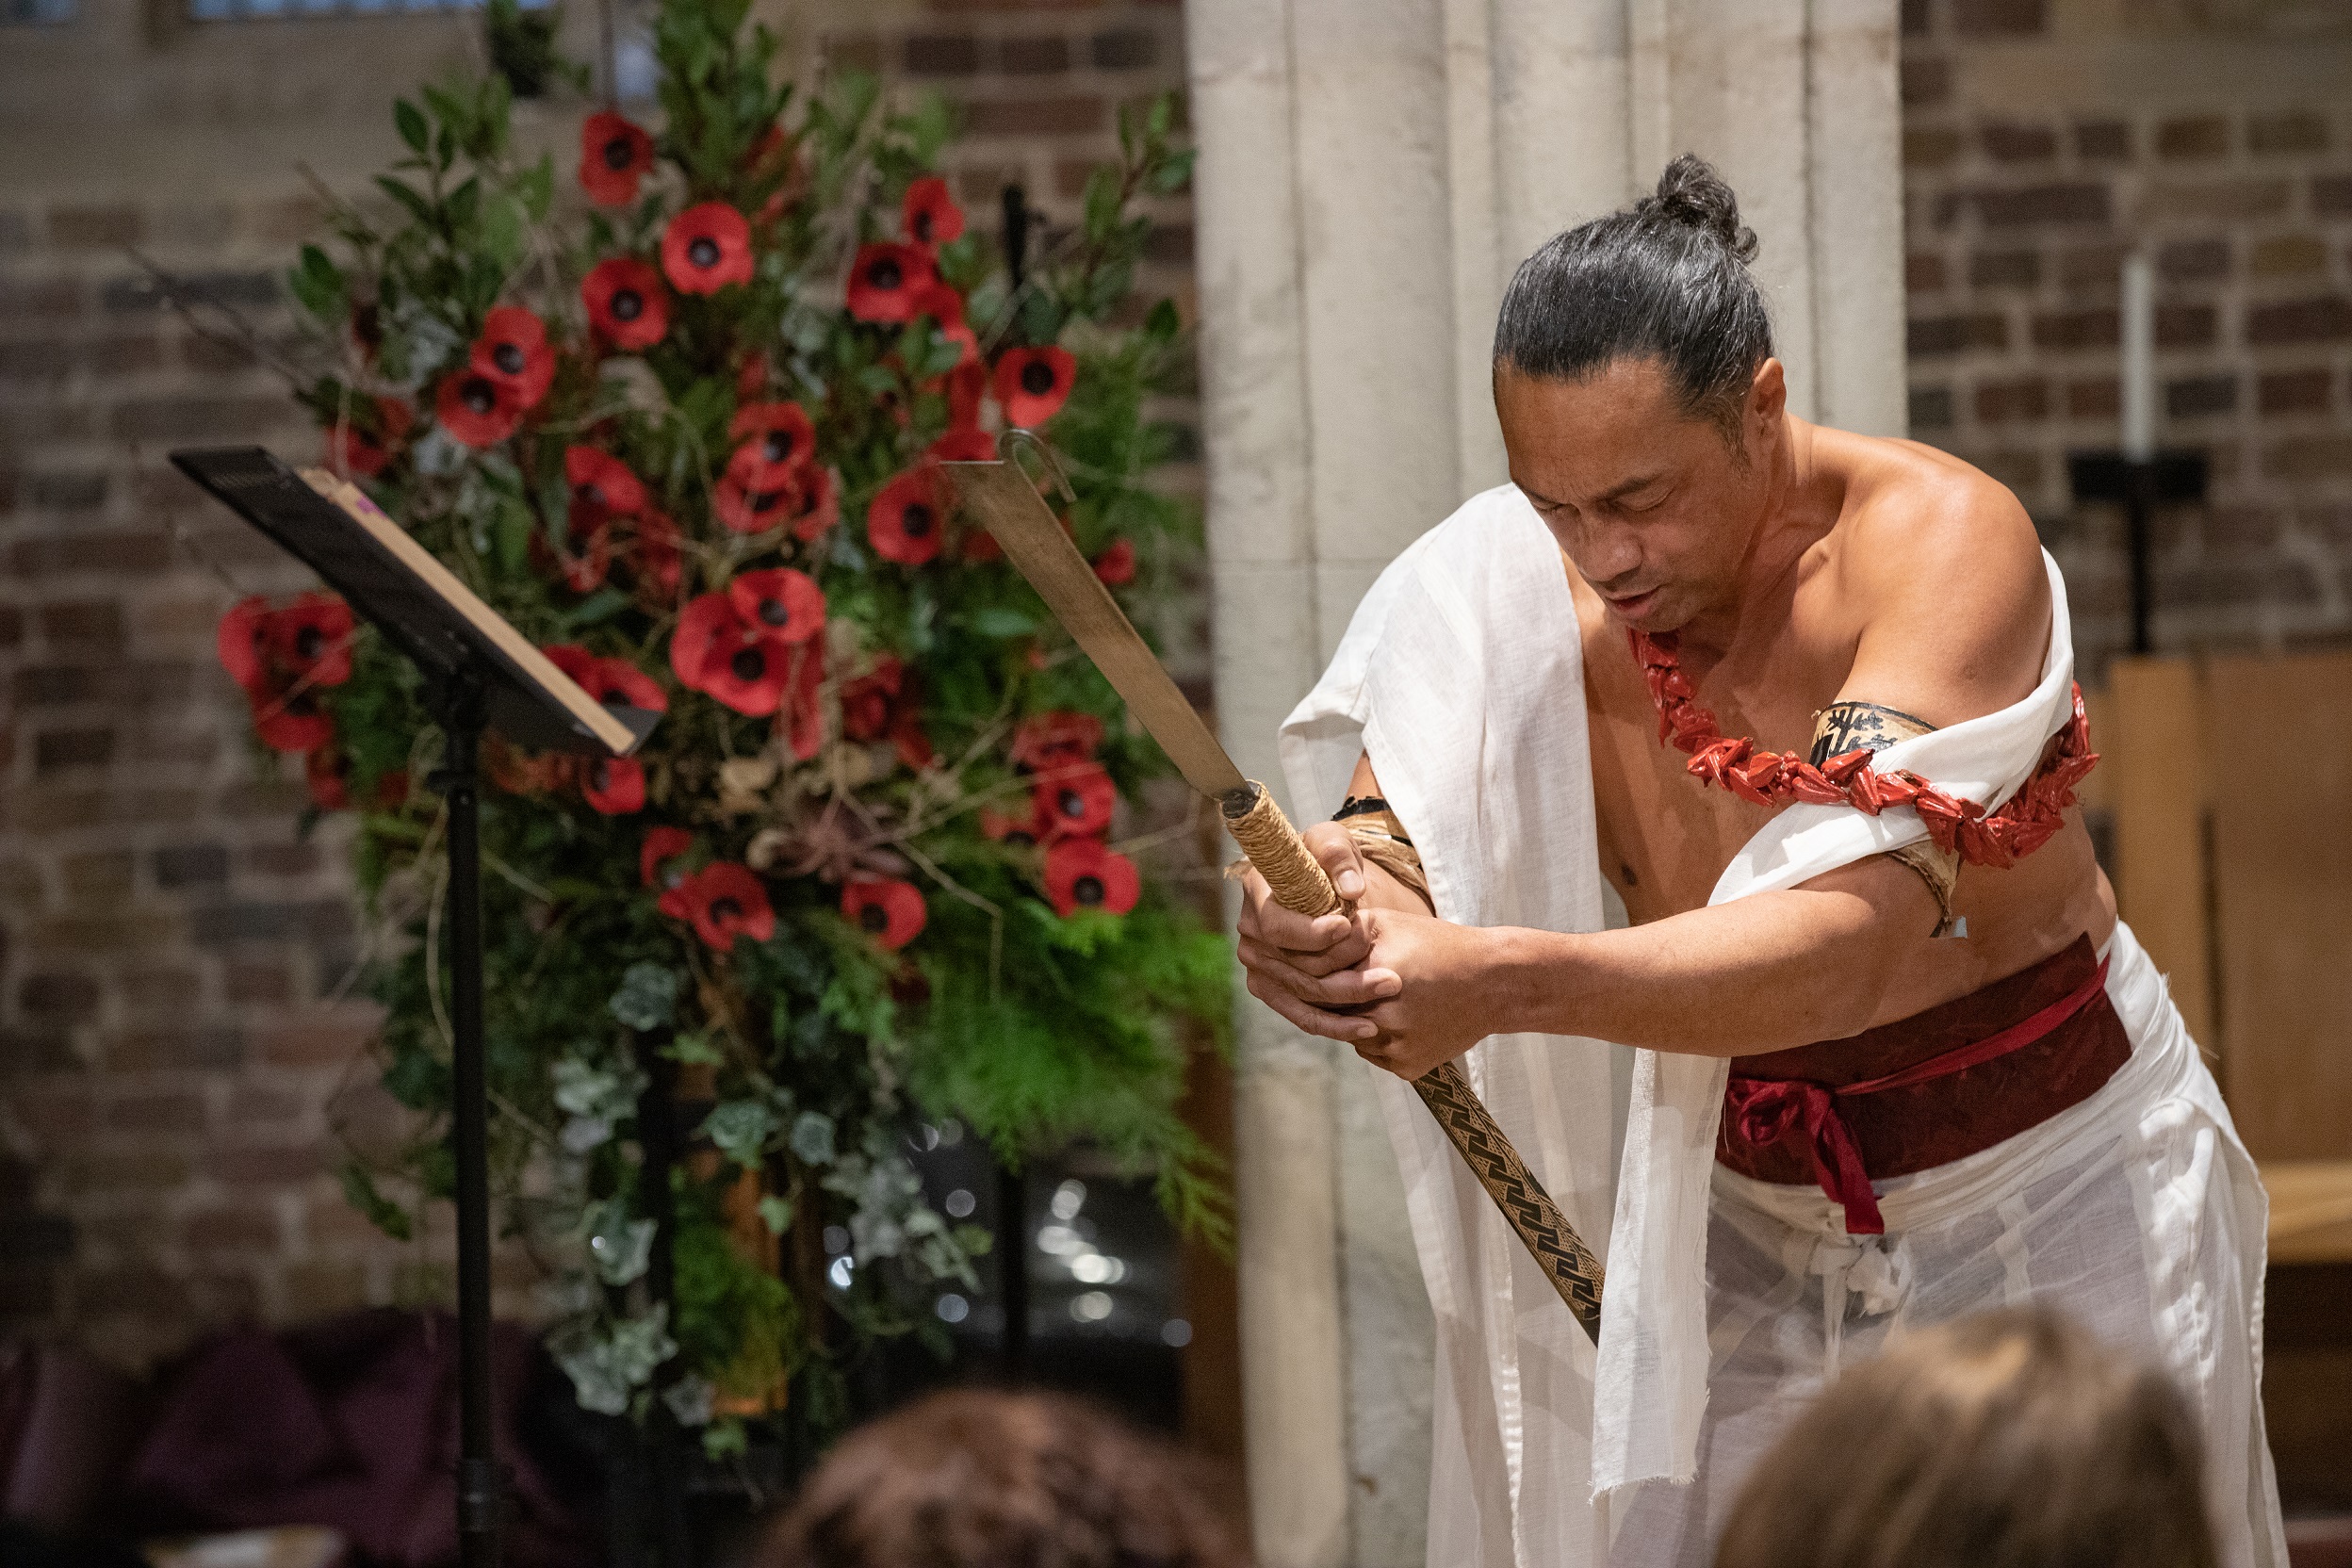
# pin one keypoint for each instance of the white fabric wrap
(1653, 1374)
(1461, 677)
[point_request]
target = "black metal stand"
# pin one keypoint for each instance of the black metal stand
(2141, 485)
(1012, 1271)
(461, 708)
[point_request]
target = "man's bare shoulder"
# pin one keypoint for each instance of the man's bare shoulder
(1938, 558)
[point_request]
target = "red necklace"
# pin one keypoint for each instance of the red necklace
(2000, 838)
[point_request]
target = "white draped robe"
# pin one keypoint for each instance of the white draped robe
(1461, 677)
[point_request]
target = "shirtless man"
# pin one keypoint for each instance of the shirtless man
(1827, 594)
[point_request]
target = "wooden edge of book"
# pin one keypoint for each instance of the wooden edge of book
(586, 711)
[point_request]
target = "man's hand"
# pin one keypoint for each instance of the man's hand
(1358, 976)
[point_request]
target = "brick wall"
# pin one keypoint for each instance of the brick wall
(178, 1066)
(2042, 141)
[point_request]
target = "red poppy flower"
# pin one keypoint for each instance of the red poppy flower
(243, 641)
(655, 550)
(752, 380)
(946, 309)
(962, 445)
(1083, 873)
(866, 701)
(706, 248)
(885, 279)
(354, 447)
(512, 349)
(778, 444)
(931, 215)
(477, 410)
(1009, 829)
(740, 663)
(1075, 800)
(1032, 383)
(310, 640)
(784, 603)
(1050, 739)
(966, 385)
(1117, 565)
(614, 682)
(327, 772)
(821, 507)
(583, 570)
(889, 911)
(627, 304)
(614, 785)
(289, 720)
(614, 157)
(725, 901)
(602, 486)
(903, 521)
(661, 846)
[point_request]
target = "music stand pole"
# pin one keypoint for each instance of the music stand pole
(461, 710)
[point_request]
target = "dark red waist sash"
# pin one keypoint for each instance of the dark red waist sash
(1927, 1089)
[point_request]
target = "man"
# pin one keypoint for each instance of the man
(1831, 729)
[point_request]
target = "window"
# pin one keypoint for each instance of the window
(37, 10)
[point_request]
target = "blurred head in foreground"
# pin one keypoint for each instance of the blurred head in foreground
(2008, 1439)
(970, 1478)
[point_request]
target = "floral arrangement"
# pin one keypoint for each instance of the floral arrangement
(864, 874)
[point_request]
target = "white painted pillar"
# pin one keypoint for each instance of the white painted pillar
(1371, 172)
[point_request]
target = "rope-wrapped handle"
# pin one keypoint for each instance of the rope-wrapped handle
(1264, 834)
(1300, 885)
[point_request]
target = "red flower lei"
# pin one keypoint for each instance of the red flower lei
(1998, 838)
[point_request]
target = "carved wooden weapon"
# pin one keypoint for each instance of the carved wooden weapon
(1001, 495)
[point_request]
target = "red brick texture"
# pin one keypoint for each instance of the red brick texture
(2016, 226)
(181, 1066)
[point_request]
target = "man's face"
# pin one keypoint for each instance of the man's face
(1655, 507)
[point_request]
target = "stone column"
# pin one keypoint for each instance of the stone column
(1371, 172)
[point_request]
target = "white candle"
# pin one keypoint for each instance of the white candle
(2139, 358)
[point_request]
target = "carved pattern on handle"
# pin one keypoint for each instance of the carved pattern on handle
(1299, 884)
(1574, 1271)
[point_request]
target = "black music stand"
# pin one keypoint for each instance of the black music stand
(477, 671)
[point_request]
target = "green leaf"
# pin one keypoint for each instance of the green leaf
(647, 998)
(319, 284)
(694, 1050)
(512, 535)
(776, 1214)
(418, 209)
(411, 121)
(502, 231)
(602, 605)
(725, 1439)
(1162, 323)
(997, 620)
(741, 1129)
(1102, 204)
(360, 1192)
(536, 186)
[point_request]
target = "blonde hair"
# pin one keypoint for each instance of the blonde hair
(2013, 1439)
(971, 1478)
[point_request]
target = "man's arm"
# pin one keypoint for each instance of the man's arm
(1954, 617)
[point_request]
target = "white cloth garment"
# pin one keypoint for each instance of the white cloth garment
(1461, 677)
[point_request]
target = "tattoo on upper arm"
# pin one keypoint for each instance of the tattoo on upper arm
(1844, 727)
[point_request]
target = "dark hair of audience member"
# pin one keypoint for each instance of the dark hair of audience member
(969, 1478)
(2013, 1439)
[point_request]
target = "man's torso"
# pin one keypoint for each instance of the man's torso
(1665, 839)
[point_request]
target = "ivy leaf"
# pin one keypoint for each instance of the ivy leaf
(694, 1050)
(776, 1214)
(741, 1128)
(411, 121)
(812, 1138)
(647, 998)
(998, 620)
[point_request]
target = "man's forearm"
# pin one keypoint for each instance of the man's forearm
(1765, 973)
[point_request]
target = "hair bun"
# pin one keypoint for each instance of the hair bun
(1692, 194)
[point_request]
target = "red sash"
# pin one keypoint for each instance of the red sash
(1927, 1089)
